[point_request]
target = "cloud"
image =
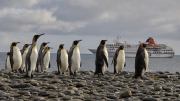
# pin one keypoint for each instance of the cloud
(96, 18)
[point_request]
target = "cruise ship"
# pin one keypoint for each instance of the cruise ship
(154, 50)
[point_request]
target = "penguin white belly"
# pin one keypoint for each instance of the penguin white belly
(24, 59)
(106, 54)
(64, 61)
(46, 61)
(33, 58)
(8, 64)
(75, 60)
(17, 58)
(146, 59)
(120, 61)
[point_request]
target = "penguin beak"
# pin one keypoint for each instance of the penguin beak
(105, 40)
(62, 44)
(41, 34)
(51, 48)
(17, 43)
(79, 40)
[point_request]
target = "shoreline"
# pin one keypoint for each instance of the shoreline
(156, 86)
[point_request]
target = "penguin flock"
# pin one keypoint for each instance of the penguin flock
(31, 61)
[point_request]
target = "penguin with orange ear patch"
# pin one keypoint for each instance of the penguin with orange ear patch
(101, 58)
(24, 52)
(8, 64)
(62, 59)
(45, 59)
(31, 57)
(141, 61)
(15, 57)
(74, 58)
(42, 48)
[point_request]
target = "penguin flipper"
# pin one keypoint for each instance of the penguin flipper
(41, 57)
(80, 63)
(104, 58)
(70, 55)
(49, 64)
(115, 56)
(11, 57)
(59, 55)
(6, 64)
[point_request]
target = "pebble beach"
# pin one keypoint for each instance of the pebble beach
(156, 86)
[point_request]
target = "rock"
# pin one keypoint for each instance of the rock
(112, 97)
(35, 83)
(47, 76)
(2, 98)
(126, 94)
(158, 88)
(43, 93)
(37, 99)
(168, 94)
(67, 97)
(150, 82)
(149, 99)
(163, 76)
(44, 84)
(26, 93)
(53, 96)
(56, 81)
(80, 84)
(5, 76)
(51, 87)
(69, 92)
(23, 85)
(7, 88)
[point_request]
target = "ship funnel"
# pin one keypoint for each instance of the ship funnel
(139, 41)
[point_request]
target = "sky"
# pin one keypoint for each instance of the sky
(64, 21)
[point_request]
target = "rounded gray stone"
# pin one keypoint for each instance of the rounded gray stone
(67, 97)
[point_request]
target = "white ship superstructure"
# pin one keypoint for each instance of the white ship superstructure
(154, 50)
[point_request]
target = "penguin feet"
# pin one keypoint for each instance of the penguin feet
(141, 77)
(26, 76)
(32, 75)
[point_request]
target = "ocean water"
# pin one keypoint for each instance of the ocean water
(88, 63)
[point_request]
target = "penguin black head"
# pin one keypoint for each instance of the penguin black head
(48, 48)
(143, 45)
(26, 45)
(14, 43)
(121, 47)
(76, 42)
(61, 46)
(44, 43)
(8, 53)
(103, 42)
(37, 36)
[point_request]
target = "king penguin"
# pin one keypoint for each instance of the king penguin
(8, 64)
(42, 48)
(31, 57)
(141, 61)
(24, 52)
(119, 60)
(45, 59)
(101, 58)
(74, 58)
(62, 59)
(15, 57)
